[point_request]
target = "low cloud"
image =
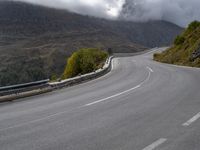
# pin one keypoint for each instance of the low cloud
(98, 8)
(180, 12)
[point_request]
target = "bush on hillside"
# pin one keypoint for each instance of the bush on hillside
(179, 40)
(193, 25)
(185, 48)
(84, 61)
(156, 56)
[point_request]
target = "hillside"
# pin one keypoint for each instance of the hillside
(186, 48)
(35, 41)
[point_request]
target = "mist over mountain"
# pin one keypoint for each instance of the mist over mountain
(35, 40)
(18, 18)
(97, 8)
(180, 12)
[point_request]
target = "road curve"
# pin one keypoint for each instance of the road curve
(139, 105)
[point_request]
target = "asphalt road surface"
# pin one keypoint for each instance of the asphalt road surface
(139, 105)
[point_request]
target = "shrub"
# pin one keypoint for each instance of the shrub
(192, 26)
(54, 77)
(156, 56)
(73, 66)
(84, 61)
(179, 40)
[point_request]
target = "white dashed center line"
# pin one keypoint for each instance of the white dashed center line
(155, 144)
(124, 92)
(150, 69)
(193, 119)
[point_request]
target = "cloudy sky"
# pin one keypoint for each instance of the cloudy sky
(180, 12)
(99, 8)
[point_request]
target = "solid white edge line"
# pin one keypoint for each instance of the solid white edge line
(124, 92)
(179, 66)
(155, 144)
(154, 50)
(192, 120)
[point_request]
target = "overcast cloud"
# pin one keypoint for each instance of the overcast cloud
(180, 12)
(99, 8)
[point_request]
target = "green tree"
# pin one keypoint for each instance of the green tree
(73, 66)
(84, 61)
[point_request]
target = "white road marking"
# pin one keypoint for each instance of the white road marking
(124, 92)
(150, 69)
(112, 64)
(152, 51)
(192, 120)
(179, 66)
(113, 96)
(155, 144)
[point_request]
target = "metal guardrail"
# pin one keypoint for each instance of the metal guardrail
(83, 78)
(29, 89)
(15, 89)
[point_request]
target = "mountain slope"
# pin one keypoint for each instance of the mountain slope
(43, 38)
(186, 48)
(17, 18)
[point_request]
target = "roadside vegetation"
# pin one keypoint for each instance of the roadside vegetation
(22, 71)
(84, 61)
(184, 49)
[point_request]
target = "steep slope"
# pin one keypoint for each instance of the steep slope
(186, 48)
(35, 41)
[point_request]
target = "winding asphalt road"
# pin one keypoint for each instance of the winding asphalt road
(139, 105)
